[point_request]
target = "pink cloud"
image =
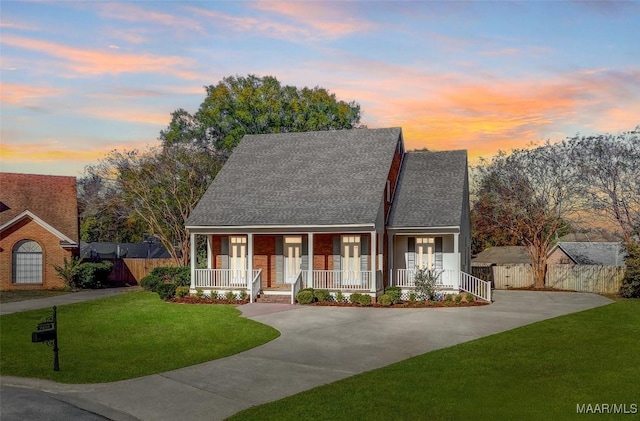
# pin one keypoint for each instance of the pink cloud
(20, 94)
(130, 13)
(88, 62)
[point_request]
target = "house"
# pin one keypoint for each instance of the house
(587, 253)
(110, 251)
(38, 229)
(347, 211)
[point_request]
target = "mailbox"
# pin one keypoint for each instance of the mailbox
(43, 336)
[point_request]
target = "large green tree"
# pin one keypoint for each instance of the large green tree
(255, 105)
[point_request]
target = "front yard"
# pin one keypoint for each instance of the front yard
(126, 336)
(541, 371)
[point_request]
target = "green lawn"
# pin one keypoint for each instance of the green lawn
(540, 371)
(126, 336)
(13, 296)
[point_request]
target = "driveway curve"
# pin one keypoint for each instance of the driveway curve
(318, 345)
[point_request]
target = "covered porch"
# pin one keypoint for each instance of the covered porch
(283, 262)
(437, 250)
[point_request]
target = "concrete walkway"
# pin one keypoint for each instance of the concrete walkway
(58, 300)
(317, 345)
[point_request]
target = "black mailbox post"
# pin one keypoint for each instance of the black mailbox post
(48, 333)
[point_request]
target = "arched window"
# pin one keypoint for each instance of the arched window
(27, 262)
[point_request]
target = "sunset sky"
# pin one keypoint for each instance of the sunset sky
(79, 79)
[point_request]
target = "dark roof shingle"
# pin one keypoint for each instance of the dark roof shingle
(431, 190)
(312, 178)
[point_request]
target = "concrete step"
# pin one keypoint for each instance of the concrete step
(273, 298)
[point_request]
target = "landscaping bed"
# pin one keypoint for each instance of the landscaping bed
(403, 304)
(206, 300)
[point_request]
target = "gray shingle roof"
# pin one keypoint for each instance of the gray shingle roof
(312, 178)
(431, 190)
(502, 255)
(607, 254)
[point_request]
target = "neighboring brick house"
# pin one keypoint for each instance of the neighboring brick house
(345, 210)
(38, 229)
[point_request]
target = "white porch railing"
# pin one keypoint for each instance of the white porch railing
(340, 279)
(297, 285)
(223, 278)
(476, 286)
(255, 286)
(405, 278)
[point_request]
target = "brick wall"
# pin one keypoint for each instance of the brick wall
(52, 254)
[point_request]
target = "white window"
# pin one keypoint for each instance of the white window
(27, 262)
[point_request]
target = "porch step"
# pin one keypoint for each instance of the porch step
(274, 298)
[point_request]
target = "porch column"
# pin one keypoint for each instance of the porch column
(390, 250)
(456, 250)
(374, 254)
(209, 251)
(249, 260)
(310, 255)
(193, 261)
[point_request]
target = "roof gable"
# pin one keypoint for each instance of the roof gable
(312, 178)
(51, 200)
(431, 190)
(597, 253)
(66, 241)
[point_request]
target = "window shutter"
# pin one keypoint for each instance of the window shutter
(364, 254)
(336, 253)
(279, 261)
(411, 253)
(224, 252)
(438, 253)
(304, 261)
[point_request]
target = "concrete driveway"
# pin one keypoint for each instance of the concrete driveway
(317, 345)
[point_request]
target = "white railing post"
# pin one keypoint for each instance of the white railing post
(192, 259)
(309, 277)
(374, 260)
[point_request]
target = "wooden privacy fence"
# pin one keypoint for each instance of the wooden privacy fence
(582, 278)
(512, 276)
(131, 271)
(585, 278)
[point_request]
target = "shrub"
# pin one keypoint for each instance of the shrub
(458, 298)
(150, 283)
(230, 296)
(182, 292)
(179, 275)
(448, 299)
(199, 293)
(469, 297)
(321, 295)
(339, 297)
(364, 300)
(412, 296)
(354, 298)
(305, 296)
(631, 282)
(167, 291)
(385, 300)
(93, 275)
(68, 272)
(425, 280)
(243, 295)
(394, 293)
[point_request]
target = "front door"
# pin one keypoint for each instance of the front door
(292, 258)
(351, 260)
(238, 260)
